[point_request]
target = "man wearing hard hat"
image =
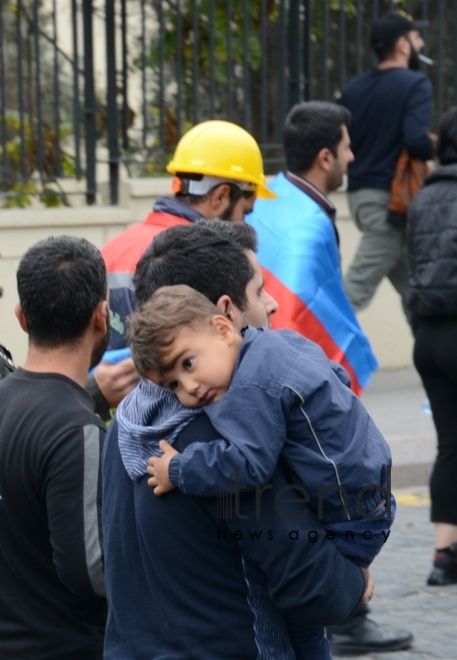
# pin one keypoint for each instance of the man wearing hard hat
(218, 174)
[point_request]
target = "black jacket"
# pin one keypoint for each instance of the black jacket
(432, 245)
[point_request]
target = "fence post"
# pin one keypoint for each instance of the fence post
(454, 35)
(89, 103)
(294, 52)
(307, 49)
(111, 102)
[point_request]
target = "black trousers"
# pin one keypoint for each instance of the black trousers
(435, 358)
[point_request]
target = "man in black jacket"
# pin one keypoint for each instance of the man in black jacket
(52, 596)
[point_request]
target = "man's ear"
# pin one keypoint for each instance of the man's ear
(231, 311)
(219, 197)
(223, 327)
(101, 317)
(403, 45)
(21, 318)
(325, 159)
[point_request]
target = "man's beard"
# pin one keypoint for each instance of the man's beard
(414, 61)
(99, 349)
(227, 214)
(335, 179)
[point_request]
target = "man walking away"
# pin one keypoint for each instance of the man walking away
(298, 238)
(52, 604)
(390, 107)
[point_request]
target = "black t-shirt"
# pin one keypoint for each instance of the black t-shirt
(52, 603)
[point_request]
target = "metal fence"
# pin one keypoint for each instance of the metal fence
(116, 83)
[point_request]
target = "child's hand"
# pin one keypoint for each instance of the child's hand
(158, 467)
(369, 587)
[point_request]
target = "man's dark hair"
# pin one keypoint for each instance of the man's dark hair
(208, 256)
(235, 194)
(60, 282)
(383, 50)
(309, 128)
(242, 234)
(446, 148)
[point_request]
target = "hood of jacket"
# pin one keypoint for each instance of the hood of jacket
(175, 206)
(147, 415)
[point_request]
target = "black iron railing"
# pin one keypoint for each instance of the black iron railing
(68, 105)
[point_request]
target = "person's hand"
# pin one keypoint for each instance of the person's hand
(116, 380)
(158, 468)
(369, 587)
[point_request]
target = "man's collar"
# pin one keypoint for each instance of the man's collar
(313, 192)
(316, 195)
(174, 206)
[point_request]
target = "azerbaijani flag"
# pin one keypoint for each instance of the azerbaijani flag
(301, 266)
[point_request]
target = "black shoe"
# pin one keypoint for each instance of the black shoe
(444, 567)
(362, 635)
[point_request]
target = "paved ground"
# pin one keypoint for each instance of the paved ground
(402, 599)
(394, 399)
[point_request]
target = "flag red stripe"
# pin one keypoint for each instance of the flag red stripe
(295, 315)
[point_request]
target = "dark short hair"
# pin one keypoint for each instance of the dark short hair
(309, 128)
(207, 256)
(235, 194)
(154, 327)
(241, 234)
(60, 282)
(446, 147)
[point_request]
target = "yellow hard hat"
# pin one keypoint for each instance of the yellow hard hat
(224, 150)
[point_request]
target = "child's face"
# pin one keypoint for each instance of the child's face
(203, 361)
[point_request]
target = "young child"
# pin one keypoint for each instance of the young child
(267, 393)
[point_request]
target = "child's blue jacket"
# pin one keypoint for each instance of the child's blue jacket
(286, 399)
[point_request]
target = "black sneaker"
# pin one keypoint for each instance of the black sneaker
(444, 567)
